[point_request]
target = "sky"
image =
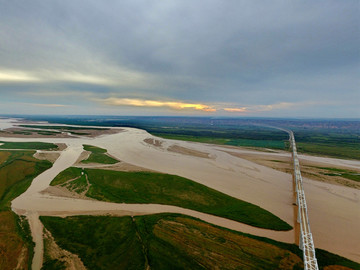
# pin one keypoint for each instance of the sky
(181, 57)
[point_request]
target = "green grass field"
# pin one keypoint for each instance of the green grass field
(336, 149)
(171, 241)
(28, 145)
(146, 187)
(98, 155)
(17, 170)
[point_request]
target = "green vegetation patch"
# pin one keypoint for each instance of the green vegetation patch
(17, 170)
(98, 155)
(146, 187)
(22, 132)
(257, 143)
(28, 145)
(172, 241)
(53, 264)
(72, 180)
(335, 149)
(348, 174)
(66, 175)
(100, 242)
(46, 132)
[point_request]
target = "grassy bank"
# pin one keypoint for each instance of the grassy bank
(169, 241)
(28, 145)
(146, 187)
(98, 155)
(17, 170)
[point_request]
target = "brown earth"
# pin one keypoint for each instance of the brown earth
(154, 142)
(14, 253)
(186, 151)
(61, 146)
(52, 157)
(4, 156)
(83, 156)
(120, 166)
(96, 133)
(125, 167)
(63, 192)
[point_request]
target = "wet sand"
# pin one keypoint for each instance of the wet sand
(187, 151)
(333, 210)
(8, 122)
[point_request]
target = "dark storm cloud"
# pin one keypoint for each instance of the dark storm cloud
(240, 52)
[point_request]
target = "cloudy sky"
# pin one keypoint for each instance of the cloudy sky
(185, 57)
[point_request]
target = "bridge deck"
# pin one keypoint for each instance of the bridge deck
(306, 240)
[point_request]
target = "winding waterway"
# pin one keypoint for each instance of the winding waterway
(331, 208)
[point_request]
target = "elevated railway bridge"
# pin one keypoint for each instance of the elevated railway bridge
(306, 243)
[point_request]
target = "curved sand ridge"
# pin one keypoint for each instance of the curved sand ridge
(333, 210)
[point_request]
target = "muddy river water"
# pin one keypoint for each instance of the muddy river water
(333, 210)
